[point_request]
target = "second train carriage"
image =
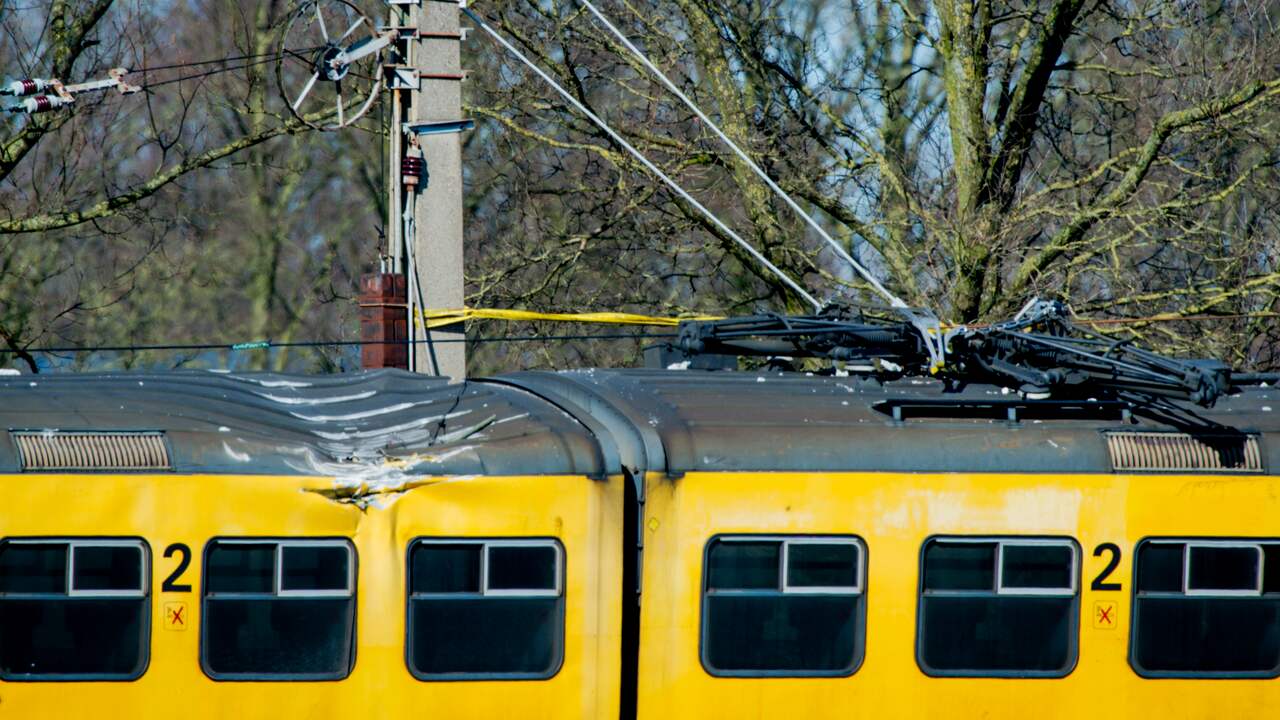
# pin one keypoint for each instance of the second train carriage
(630, 543)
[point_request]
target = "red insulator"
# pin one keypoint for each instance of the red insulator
(412, 166)
(24, 87)
(39, 104)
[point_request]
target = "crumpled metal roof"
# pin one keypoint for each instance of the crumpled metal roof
(383, 427)
(264, 423)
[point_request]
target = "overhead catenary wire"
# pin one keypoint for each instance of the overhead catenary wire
(931, 333)
(526, 316)
(532, 316)
(858, 267)
(34, 104)
(207, 73)
(268, 344)
(256, 58)
(233, 58)
(645, 161)
(442, 317)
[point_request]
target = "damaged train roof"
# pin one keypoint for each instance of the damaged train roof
(598, 422)
(263, 423)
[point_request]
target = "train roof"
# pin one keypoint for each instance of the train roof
(267, 423)
(384, 426)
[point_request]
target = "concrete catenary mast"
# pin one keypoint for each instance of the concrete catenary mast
(423, 269)
(437, 245)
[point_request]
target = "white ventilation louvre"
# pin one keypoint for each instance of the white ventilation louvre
(1182, 452)
(58, 450)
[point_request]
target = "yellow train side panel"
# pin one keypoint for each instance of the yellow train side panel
(584, 515)
(894, 514)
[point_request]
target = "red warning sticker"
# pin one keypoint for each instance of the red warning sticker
(1105, 615)
(175, 616)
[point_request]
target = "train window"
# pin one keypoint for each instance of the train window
(783, 606)
(998, 607)
(74, 609)
(278, 609)
(1206, 608)
(485, 609)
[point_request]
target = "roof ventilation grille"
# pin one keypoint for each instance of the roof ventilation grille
(1182, 452)
(61, 450)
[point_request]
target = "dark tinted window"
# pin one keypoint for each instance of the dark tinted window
(77, 638)
(442, 568)
(1022, 623)
(1036, 566)
(782, 606)
(1009, 634)
(278, 637)
(31, 568)
(1223, 625)
(822, 565)
(107, 568)
(1271, 568)
(522, 567)
(1160, 567)
(485, 609)
(95, 628)
(299, 628)
(310, 567)
(1223, 568)
(780, 632)
(241, 568)
(743, 565)
(504, 635)
(959, 566)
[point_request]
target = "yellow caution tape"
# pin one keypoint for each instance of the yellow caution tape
(441, 318)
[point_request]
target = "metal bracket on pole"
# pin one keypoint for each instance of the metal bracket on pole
(455, 77)
(438, 127)
(460, 36)
(402, 77)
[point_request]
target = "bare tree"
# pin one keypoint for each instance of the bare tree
(1119, 155)
(198, 211)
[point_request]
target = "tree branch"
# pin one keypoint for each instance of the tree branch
(1024, 106)
(113, 205)
(1146, 156)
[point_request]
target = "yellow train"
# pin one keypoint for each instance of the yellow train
(651, 544)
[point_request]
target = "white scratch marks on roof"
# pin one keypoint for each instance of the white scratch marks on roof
(361, 414)
(317, 401)
(379, 432)
(234, 454)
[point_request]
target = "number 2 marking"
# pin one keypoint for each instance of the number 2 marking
(1098, 583)
(170, 583)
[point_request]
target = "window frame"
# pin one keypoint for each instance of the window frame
(1189, 591)
(1188, 542)
(784, 588)
(560, 593)
(1070, 590)
(486, 591)
(348, 591)
(998, 590)
(71, 595)
(143, 577)
(277, 594)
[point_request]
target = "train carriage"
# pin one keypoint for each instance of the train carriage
(649, 544)
(466, 563)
